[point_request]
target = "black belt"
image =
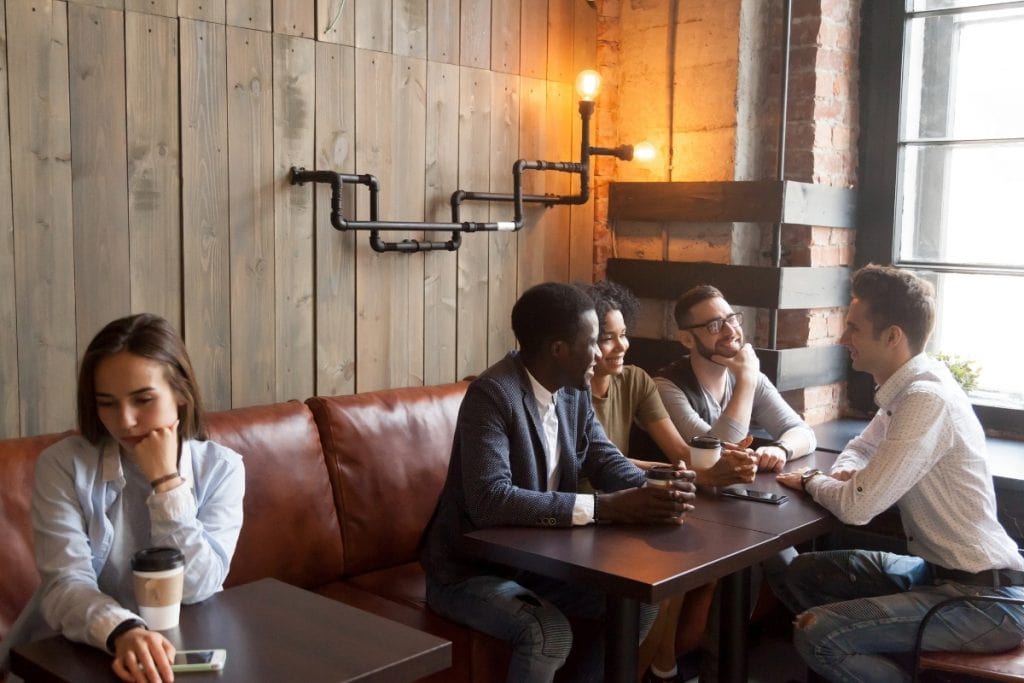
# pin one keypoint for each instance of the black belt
(993, 578)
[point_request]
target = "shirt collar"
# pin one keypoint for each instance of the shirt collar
(544, 397)
(899, 380)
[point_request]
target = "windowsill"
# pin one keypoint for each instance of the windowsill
(1005, 456)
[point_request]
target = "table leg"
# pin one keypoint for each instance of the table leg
(622, 639)
(733, 622)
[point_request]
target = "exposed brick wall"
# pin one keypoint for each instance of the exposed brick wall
(821, 138)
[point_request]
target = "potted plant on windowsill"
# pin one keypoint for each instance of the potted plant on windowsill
(964, 370)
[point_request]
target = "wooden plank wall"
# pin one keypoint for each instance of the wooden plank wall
(144, 156)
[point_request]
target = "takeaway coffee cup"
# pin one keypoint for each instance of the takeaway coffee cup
(159, 574)
(661, 475)
(704, 451)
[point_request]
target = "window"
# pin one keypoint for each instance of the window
(943, 123)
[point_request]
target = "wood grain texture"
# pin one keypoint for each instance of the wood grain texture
(505, 38)
(560, 41)
(98, 185)
(294, 103)
(41, 191)
(102, 4)
(295, 18)
(335, 250)
(584, 38)
(154, 154)
(373, 25)
(533, 52)
(503, 246)
(581, 236)
(251, 214)
(335, 21)
(163, 8)
(560, 107)
(254, 14)
(410, 28)
(474, 175)
(374, 272)
(205, 259)
(443, 31)
(408, 120)
(213, 11)
(475, 34)
(442, 178)
(532, 136)
(9, 419)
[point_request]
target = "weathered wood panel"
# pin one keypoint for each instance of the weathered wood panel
(9, 420)
(474, 175)
(373, 25)
(98, 185)
(502, 276)
(206, 264)
(37, 35)
(475, 34)
(555, 223)
(102, 4)
(532, 119)
(405, 189)
(505, 41)
(560, 41)
(294, 104)
(335, 21)
(254, 14)
(203, 10)
(581, 239)
(374, 272)
(443, 31)
(163, 8)
(335, 251)
(154, 154)
(533, 36)
(410, 28)
(295, 18)
(442, 178)
(251, 214)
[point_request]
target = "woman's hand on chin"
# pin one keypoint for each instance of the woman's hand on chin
(157, 454)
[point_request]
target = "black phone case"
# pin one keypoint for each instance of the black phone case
(733, 493)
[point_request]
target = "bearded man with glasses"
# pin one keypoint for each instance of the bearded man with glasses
(718, 388)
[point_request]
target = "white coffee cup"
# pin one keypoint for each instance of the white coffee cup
(704, 451)
(159, 579)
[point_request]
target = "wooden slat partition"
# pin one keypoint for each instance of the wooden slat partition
(759, 286)
(765, 201)
(184, 117)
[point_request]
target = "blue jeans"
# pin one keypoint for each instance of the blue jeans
(863, 609)
(532, 614)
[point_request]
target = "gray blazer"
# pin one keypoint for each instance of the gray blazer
(497, 474)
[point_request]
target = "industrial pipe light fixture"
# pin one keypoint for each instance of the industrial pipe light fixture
(587, 85)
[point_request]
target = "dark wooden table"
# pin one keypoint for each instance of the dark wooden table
(631, 564)
(272, 632)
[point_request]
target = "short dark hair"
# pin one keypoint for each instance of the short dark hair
(611, 296)
(897, 297)
(546, 313)
(151, 337)
(691, 298)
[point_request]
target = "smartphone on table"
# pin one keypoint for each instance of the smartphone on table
(751, 494)
(198, 660)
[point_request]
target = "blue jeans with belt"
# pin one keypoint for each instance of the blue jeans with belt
(863, 609)
(531, 613)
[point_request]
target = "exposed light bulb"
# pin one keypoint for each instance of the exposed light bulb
(644, 151)
(588, 83)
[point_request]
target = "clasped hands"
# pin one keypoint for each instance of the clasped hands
(651, 504)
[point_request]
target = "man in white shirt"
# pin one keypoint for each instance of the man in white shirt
(924, 451)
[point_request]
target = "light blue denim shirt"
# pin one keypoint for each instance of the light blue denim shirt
(76, 483)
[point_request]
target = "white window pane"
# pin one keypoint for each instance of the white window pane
(963, 76)
(977, 319)
(925, 5)
(963, 204)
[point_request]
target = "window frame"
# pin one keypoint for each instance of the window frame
(882, 56)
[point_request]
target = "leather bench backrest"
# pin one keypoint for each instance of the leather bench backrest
(387, 456)
(18, 579)
(290, 530)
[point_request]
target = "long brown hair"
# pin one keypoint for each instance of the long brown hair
(151, 337)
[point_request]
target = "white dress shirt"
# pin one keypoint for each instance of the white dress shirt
(924, 451)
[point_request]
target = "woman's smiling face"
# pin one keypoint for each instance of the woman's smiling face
(613, 344)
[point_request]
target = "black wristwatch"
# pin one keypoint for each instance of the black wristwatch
(785, 449)
(807, 476)
(123, 627)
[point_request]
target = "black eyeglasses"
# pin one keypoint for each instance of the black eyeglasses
(715, 326)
